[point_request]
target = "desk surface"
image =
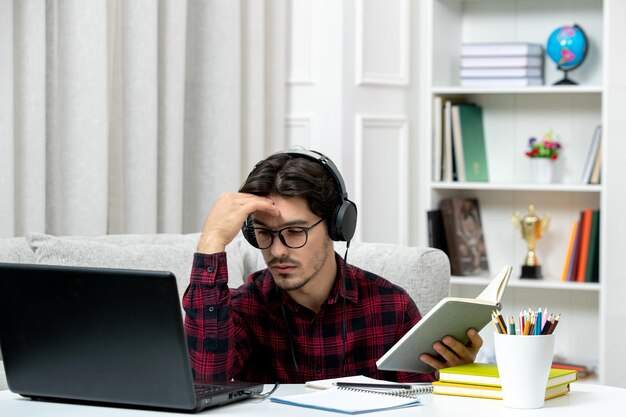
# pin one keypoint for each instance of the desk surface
(583, 400)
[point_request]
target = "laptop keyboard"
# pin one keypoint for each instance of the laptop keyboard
(205, 390)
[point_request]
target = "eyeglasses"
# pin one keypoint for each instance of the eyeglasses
(293, 237)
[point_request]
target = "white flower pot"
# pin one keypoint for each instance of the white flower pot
(542, 170)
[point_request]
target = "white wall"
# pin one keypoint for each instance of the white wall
(351, 94)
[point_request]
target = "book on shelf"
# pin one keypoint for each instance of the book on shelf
(436, 231)
(585, 233)
(591, 271)
(351, 399)
(501, 82)
(593, 152)
(486, 374)
(451, 316)
(528, 72)
(521, 61)
(582, 258)
(447, 169)
(462, 223)
(485, 391)
(569, 253)
(501, 49)
(597, 166)
(469, 143)
(437, 162)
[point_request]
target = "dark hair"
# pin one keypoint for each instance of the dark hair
(292, 176)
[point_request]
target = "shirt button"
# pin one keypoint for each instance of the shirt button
(318, 370)
(210, 269)
(211, 309)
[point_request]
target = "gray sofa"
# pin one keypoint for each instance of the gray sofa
(423, 272)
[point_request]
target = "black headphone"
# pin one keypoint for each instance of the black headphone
(342, 224)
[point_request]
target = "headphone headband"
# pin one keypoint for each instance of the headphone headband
(342, 224)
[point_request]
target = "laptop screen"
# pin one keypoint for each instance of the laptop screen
(94, 334)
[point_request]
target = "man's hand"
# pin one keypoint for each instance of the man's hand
(226, 217)
(454, 352)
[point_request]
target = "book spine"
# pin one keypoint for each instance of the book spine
(570, 248)
(584, 244)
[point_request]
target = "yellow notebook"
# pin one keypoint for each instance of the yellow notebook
(485, 391)
(487, 374)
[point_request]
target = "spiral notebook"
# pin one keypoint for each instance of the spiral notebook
(356, 400)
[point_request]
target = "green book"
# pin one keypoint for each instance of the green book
(591, 272)
(487, 374)
(473, 143)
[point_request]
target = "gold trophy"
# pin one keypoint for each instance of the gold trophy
(532, 229)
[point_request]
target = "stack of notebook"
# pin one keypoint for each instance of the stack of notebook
(501, 64)
(482, 380)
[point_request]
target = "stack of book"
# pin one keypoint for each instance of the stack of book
(482, 380)
(501, 64)
(582, 257)
(459, 143)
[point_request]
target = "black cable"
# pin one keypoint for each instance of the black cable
(343, 322)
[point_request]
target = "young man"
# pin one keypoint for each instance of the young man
(308, 315)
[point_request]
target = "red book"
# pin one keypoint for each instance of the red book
(585, 225)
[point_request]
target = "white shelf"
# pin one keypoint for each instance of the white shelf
(568, 188)
(511, 115)
(547, 89)
(530, 283)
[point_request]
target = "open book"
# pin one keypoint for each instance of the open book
(452, 316)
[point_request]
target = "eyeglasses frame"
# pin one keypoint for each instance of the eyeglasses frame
(279, 232)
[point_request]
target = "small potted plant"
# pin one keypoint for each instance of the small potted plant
(542, 154)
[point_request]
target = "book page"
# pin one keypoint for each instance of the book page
(495, 290)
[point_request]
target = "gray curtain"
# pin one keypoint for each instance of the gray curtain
(132, 116)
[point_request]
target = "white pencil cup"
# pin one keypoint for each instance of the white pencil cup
(524, 364)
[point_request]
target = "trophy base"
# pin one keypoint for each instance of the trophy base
(531, 272)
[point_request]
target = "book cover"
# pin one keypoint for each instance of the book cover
(502, 62)
(447, 169)
(573, 265)
(501, 49)
(437, 139)
(487, 374)
(591, 272)
(502, 72)
(597, 167)
(501, 82)
(464, 235)
(436, 231)
(591, 155)
(457, 144)
(451, 316)
(472, 134)
(585, 226)
(346, 401)
(485, 391)
(570, 248)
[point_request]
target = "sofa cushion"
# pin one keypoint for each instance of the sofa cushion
(16, 250)
(172, 253)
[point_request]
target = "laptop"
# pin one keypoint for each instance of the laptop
(109, 336)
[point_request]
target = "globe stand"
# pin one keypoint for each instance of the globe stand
(565, 80)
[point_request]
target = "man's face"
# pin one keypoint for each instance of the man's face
(293, 269)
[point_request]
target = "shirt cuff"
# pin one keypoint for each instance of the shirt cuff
(210, 269)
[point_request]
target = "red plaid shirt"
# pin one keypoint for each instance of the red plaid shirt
(242, 333)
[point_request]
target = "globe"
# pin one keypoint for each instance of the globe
(567, 46)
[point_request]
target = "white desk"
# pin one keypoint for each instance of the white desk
(584, 400)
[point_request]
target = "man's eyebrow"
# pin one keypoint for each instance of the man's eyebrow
(288, 224)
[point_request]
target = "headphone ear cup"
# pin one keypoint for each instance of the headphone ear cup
(247, 229)
(343, 223)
